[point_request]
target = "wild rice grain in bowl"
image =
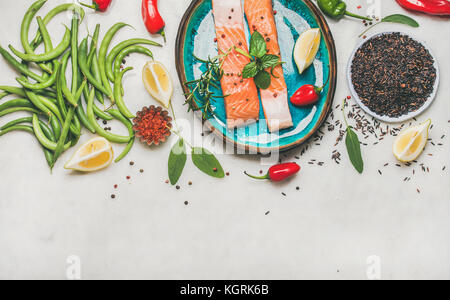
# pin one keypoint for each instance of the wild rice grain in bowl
(393, 74)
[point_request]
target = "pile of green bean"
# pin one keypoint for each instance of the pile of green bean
(57, 113)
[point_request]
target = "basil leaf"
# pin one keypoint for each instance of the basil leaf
(206, 162)
(258, 46)
(269, 60)
(250, 70)
(401, 19)
(354, 150)
(177, 161)
(263, 80)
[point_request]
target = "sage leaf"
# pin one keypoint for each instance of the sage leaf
(250, 70)
(401, 19)
(206, 162)
(263, 80)
(354, 150)
(177, 161)
(258, 47)
(269, 60)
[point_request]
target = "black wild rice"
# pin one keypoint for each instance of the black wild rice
(393, 74)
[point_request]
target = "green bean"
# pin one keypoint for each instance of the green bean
(48, 56)
(20, 67)
(100, 131)
(82, 60)
(102, 55)
(46, 37)
(60, 145)
(41, 86)
(59, 95)
(118, 95)
(127, 51)
(94, 66)
(4, 94)
(55, 11)
(55, 126)
(25, 28)
(74, 53)
(26, 128)
(121, 46)
(17, 109)
(117, 115)
(37, 102)
(16, 103)
(51, 106)
(21, 92)
(80, 110)
(47, 143)
(63, 81)
(16, 122)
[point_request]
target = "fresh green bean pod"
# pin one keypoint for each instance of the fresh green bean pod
(4, 94)
(100, 131)
(38, 103)
(118, 116)
(47, 143)
(25, 28)
(118, 95)
(51, 106)
(102, 56)
(16, 103)
(127, 51)
(94, 66)
(21, 92)
(56, 127)
(17, 109)
(65, 131)
(74, 53)
(80, 110)
(82, 61)
(48, 56)
(63, 81)
(23, 69)
(26, 128)
(41, 86)
(54, 12)
(119, 48)
(47, 39)
(16, 122)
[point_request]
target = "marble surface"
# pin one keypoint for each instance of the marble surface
(340, 225)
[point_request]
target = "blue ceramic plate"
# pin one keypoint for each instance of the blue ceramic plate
(196, 37)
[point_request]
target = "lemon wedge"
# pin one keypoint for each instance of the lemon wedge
(94, 155)
(306, 48)
(411, 142)
(158, 82)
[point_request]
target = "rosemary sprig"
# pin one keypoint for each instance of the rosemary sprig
(203, 86)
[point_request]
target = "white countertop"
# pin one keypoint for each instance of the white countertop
(336, 227)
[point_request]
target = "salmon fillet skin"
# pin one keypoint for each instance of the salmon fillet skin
(274, 100)
(241, 101)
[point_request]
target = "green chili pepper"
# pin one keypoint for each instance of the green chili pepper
(337, 9)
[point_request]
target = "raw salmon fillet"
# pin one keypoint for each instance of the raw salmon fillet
(260, 18)
(241, 101)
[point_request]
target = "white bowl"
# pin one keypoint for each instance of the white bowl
(387, 118)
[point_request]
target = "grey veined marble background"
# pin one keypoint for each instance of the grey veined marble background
(340, 225)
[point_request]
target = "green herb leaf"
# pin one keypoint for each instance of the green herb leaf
(401, 19)
(177, 161)
(269, 60)
(258, 47)
(250, 70)
(206, 162)
(354, 150)
(263, 80)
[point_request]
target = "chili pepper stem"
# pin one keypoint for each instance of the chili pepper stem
(163, 34)
(88, 6)
(343, 113)
(347, 13)
(265, 177)
(320, 89)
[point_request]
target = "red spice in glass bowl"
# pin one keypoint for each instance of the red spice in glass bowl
(152, 125)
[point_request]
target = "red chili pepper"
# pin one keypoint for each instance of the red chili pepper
(152, 18)
(431, 7)
(99, 5)
(307, 94)
(279, 172)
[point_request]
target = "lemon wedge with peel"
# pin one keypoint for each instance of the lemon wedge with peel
(158, 82)
(306, 48)
(94, 155)
(411, 142)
